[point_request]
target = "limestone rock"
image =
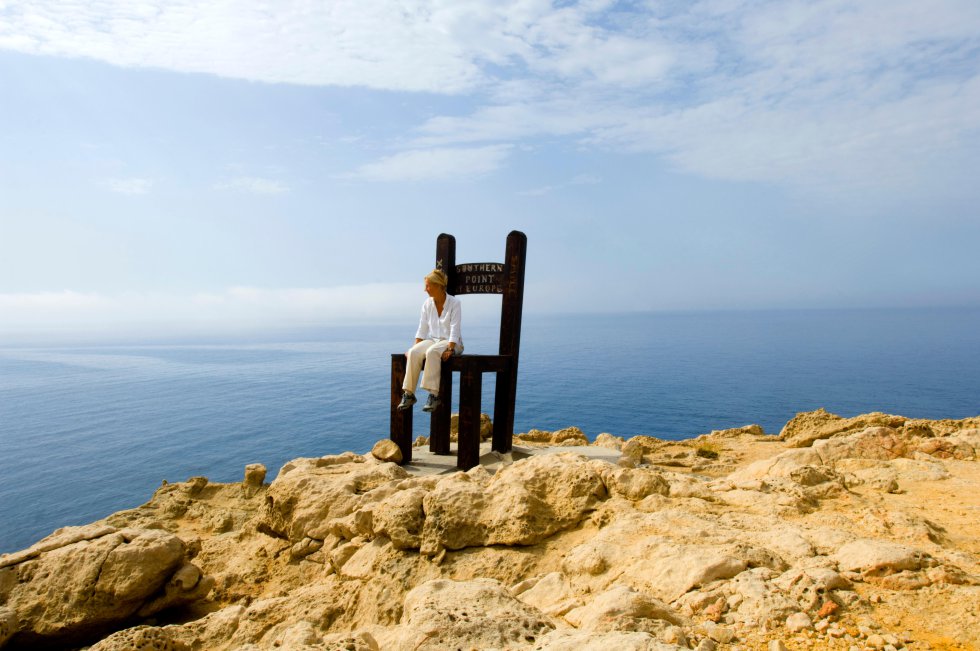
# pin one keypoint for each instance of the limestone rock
(387, 450)
(869, 443)
(103, 577)
(310, 493)
(807, 427)
(705, 556)
(481, 613)
(634, 484)
(8, 624)
(522, 504)
(758, 599)
(621, 608)
(254, 479)
(798, 622)
(645, 444)
(878, 557)
(400, 517)
(568, 436)
(551, 594)
(606, 440)
(141, 638)
(735, 432)
(571, 640)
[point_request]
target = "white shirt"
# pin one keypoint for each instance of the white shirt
(433, 326)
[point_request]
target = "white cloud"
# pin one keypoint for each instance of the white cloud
(390, 44)
(129, 186)
(253, 185)
(442, 164)
(814, 93)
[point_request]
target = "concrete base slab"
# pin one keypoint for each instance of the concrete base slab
(427, 463)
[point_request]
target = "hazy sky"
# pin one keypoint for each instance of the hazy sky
(214, 165)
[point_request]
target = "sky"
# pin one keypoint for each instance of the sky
(214, 167)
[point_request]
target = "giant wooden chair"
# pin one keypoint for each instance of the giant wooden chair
(505, 278)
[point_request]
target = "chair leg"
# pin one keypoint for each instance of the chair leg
(439, 425)
(468, 439)
(401, 421)
(503, 413)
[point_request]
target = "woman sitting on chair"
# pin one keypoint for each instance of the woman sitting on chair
(437, 339)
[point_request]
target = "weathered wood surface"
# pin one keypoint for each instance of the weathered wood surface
(506, 278)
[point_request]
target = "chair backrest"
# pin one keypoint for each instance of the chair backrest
(506, 278)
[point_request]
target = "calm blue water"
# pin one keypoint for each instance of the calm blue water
(87, 431)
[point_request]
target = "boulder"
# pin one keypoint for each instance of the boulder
(607, 440)
(309, 494)
(103, 576)
(481, 614)
(387, 450)
(522, 504)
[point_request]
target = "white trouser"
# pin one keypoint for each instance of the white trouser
(430, 351)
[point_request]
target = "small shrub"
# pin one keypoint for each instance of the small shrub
(708, 450)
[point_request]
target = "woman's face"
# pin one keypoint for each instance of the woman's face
(433, 290)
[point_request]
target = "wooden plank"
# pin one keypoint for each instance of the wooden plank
(511, 311)
(480, 278)
(468, 439)
(401, 421)
(482, 363)
(446, 259)
(439, 420)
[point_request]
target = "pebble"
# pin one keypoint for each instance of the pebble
(876, 641)
(717, 633)
(798, 622)
(706, 645)
(777, 645)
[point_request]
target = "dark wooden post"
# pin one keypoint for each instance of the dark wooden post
(510, 340)
(401, 421)
(468, 434)
(439, 423)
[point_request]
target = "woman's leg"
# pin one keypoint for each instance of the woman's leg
(415, 357)
(433, 366)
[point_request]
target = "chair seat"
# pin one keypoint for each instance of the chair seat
(479, 363)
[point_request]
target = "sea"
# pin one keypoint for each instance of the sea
(87, 430)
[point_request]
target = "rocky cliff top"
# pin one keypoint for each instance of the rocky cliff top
(840, 533)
